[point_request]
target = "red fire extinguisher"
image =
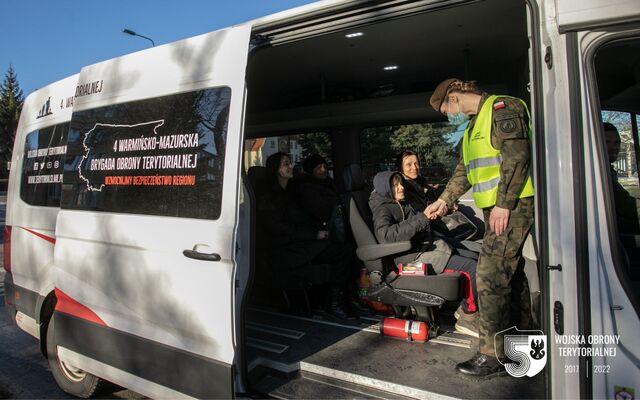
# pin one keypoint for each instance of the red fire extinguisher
(412, 331)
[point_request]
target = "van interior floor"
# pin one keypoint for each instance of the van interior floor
(306, 357)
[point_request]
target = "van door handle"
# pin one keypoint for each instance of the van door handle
(202, 256)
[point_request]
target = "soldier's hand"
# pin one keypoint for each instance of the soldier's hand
(499, 219)
(436, 209)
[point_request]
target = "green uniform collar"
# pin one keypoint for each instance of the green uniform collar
(483, 98)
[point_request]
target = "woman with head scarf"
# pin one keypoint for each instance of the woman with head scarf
(417, 191)
(462, 225)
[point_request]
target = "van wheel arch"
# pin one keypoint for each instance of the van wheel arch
(70, 379)
(46, 312)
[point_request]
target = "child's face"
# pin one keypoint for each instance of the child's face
(398, 191)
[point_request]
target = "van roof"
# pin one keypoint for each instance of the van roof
(306, 11)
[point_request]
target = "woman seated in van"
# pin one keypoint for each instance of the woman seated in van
(318, 196)
(395, 220)
(292, 241)
(419, 193)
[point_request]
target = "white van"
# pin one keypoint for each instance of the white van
(130, 238)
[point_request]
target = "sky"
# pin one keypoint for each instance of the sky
(46, 41)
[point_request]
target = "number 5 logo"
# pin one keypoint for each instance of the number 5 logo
(527, 350)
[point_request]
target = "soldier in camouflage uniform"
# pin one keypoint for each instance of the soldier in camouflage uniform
(503, 289)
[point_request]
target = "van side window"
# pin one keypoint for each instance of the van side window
(435, 143)
(624, 170)
(298, 146)
(616, 77)
(161, 156)
(44, 153)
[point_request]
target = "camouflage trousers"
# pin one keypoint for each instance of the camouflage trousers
(503, 289)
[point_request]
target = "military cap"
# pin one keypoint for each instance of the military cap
(440, 93)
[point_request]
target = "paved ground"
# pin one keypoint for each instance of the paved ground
(24, 373)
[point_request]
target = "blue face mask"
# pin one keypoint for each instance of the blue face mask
(458, 118)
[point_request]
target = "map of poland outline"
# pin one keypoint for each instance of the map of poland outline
(92, 186)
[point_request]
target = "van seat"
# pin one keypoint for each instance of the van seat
(257, 179)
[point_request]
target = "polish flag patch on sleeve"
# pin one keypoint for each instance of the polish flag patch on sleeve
(498, 105)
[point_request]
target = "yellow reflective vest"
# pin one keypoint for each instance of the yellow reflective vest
(482, 160)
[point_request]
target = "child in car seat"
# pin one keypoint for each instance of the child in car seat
(395, 220)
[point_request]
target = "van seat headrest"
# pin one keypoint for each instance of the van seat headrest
(353, 180)
(257, 176)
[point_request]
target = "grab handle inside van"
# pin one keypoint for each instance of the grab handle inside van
(201, 256)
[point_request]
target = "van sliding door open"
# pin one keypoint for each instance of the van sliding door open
(145, 240)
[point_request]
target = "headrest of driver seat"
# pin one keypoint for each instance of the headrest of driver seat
(353, 180)
(257, 176)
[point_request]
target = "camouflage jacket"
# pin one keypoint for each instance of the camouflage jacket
(509, 135)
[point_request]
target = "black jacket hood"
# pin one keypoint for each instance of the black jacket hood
(382, 184)
(395, 221)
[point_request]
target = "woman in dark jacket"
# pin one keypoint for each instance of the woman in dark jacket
(318, 196)
(291, 241)
(419, 193)
(396, 220)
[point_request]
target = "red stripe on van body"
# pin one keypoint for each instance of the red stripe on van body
(67, 305)
(41, 236)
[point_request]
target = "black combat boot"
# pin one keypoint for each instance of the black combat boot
(481, 366)
(361, 309)
(336, 309)
(354, 304)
